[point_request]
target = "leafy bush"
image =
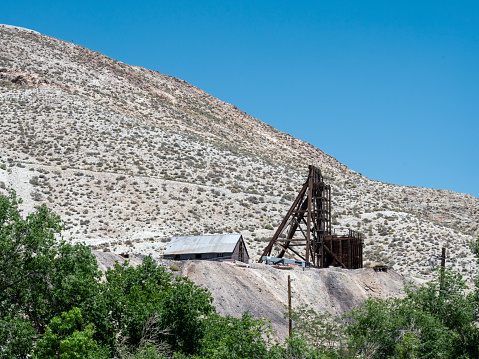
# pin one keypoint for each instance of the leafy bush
(40, 276)
(67, 337)
(232, 338)
(134, 295)
(437, 320)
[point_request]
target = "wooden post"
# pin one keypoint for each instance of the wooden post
(443, 267)
(310, 206)
(340, 240)
(289, 308)
(350, 252)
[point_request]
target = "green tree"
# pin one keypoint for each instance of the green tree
(298, 347)
(16, 336)
(149, 301)
(68, 337)
(317, 335)
(436, 321)
(321, 330)
(185, 308)
(43, 277)
(25, 245)
(232, 338)
(147, 351)
(40, 275)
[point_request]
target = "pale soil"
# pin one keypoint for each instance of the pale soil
(262, 290)
(107, 260)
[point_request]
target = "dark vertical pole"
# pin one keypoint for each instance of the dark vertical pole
(443, 266)
(322, 252)
(360, 239)
(329, 211)
(340, 241)
(289, 307)
(350, 252)
(310, 204)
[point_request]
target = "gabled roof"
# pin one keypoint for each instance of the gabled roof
(214, 243)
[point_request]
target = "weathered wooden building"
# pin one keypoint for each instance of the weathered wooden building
(224, 247)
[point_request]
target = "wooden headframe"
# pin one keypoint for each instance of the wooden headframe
(305, 232)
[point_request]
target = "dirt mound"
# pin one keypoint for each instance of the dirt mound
(106, 260)
(262, 290)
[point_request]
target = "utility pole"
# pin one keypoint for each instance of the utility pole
(289, 307)
(443, 267)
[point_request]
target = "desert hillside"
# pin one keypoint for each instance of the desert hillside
(130, 157)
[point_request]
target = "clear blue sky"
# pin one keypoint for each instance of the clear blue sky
(389, 88)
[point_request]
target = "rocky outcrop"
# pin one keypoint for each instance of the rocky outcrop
(22, 78)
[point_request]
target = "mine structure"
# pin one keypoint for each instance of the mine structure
(305, 233)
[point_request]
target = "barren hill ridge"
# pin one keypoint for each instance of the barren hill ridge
(130, 157)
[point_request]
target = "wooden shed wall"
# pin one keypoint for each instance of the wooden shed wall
(236, 252)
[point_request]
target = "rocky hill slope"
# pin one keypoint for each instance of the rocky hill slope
(130, 157)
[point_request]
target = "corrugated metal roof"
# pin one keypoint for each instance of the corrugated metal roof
(214, 243)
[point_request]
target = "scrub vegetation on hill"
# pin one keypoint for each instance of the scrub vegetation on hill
(54, 303)
(130, 157)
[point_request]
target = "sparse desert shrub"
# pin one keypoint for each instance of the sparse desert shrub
(34, 181)
(37, 196)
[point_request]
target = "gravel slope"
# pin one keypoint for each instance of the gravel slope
(262, 290)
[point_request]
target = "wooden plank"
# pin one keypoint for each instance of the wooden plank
(268, 248)
(334, 256)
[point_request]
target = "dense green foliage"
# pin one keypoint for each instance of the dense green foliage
(433, 321)
(232, 338)
(52, 297)
(67, 337)
(40, 277)
(55, 304)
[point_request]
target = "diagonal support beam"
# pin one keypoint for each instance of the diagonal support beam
(269, 247)
(334, 256)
